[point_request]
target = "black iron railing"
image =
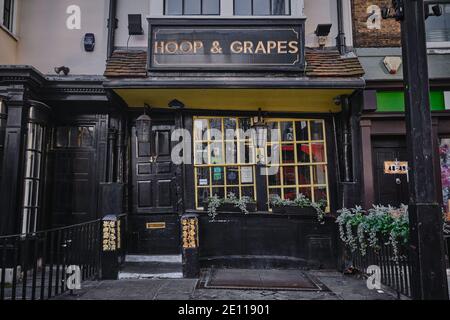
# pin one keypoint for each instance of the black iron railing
(40, 265)
(395, 270)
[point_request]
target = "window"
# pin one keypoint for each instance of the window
(74, 137)
(8, 14)
(303, 169)
(438, 28)
(33, 176)
(224, 158)
(262, 7)
(191, 7)
(444, 151)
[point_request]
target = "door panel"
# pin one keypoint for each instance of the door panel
(389, 189)
(73, 187)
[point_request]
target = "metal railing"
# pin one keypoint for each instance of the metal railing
(38, 266)
(395, 270)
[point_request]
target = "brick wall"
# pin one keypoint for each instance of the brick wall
(377, 32)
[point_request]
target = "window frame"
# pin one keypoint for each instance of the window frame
(183, 10)
(437, 44)
(223, 165)
(297, 164)
(11, 15)
(289, 13)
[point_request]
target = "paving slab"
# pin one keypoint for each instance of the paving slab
(341, 288)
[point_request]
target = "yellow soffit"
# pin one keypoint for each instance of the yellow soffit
(276, 100)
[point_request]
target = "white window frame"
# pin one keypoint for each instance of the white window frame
(226, 11)
(12, 30)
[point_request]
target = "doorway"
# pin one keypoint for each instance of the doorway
(155, 223)
(390, 189)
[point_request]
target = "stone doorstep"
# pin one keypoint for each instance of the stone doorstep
(154, 258)
(137, 276)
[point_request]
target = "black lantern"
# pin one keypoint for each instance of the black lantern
(260, 132)
(143, 128)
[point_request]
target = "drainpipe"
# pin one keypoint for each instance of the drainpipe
(112, 26)
(340, 39)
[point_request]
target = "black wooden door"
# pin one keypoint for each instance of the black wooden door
(389, 189)
(73, 191)
(154, 173)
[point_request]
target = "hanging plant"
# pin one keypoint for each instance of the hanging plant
(361, 230)
(243, 204)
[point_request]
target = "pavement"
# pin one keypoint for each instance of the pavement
(341, 287)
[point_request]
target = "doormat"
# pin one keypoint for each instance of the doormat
(251, 279)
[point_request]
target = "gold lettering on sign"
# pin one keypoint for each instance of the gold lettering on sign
(293, 47)
(189, 233)
(236, 47)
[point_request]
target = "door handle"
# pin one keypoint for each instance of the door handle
(398, 181)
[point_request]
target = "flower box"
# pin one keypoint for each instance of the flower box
(229, 207)
(295, 210)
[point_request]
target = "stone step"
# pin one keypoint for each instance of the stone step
(151, 267)
(154, 258)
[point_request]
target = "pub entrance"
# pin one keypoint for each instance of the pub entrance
(155, 222)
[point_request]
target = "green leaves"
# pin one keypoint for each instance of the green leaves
(360, 229)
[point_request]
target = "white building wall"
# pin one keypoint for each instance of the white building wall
(46, 43)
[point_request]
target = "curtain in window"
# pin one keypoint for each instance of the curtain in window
(444, 151)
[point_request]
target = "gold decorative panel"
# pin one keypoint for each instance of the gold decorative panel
(189, 233)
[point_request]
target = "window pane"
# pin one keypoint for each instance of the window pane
(243, 7)
(211, 7)
(319, 174)
(280, 7)
(202, 196)
(218, 176)
(275, 179)
(303, 153)
(220, 192)
(438, 28)
(318, 152)
(192, 7)
(174, 7)
(304, 175)
(233, 176)
(301, 131)
(316, 130)
(306, 192)
(290, 194)
(287, 154)
(287, 131)
(261, 7)
(289, 176)
(203, 177)
(200, 129)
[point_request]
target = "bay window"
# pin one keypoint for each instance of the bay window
(303, 165)
(225, 159)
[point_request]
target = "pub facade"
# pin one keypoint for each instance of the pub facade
(157, 108)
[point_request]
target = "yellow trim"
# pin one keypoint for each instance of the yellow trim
(276, 100)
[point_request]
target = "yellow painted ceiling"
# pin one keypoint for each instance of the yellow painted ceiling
(276, 100)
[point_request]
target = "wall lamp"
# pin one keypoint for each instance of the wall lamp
(144, 126)
(322, 32)
(63, 69)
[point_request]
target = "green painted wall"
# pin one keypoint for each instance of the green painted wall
(388, 101)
